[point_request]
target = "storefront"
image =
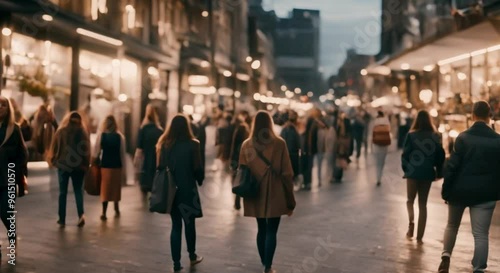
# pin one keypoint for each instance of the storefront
(38, 72)
(448, 75)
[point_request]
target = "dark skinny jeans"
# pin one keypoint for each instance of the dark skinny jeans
(267, 239)
(421, 188)
(176, 236)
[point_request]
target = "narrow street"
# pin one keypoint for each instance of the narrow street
(339, 228)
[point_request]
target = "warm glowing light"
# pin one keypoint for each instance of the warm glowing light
(425, 95)
(198, 80)
(489, 83)
(98, 36)
(269, 107)
(322, 98)
(153, 71)
(289, 94)
(442, 128)
(454, 133)
(338, 102)
(298, 90)
(454, 59)
(442, 99)
(47, 18)
(395, 89)
(188, 109)
(269, 93)
(478, 52)
(434, 113)
(405, 66)
(364, 72)
(122, 97)
(249, 59)
(256, 96)
(115, 62)
(6, 31)
(310, 94)
(130, 10)
(256, 64)
(283, 88)
(237, 94)
(205, 64)
(461, 76)
(429, 68)
(205, 13)
(413, 77)
(408, 105)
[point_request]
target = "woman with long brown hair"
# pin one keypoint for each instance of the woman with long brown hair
(266, 155)
(44, 127)
(70, 154)
(179, 151)
(145, 154)
(110, 143)
(422, 161)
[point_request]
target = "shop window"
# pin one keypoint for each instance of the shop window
(40, 73)
(479, 88)
(493, 82)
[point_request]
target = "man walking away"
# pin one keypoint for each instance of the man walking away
(472, 179)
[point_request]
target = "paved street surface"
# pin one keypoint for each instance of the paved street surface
(351, 227)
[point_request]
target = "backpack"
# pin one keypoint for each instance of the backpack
(381, 135)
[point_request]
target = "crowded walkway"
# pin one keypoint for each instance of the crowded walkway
(350, 227)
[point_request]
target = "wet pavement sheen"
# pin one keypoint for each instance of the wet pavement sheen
(351, 227)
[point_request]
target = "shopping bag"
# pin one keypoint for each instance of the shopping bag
(93, 180)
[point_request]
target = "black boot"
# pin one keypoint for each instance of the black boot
(444, 267)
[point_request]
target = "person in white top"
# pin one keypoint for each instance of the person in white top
(381, 142)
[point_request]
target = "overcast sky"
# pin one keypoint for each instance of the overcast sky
(344, 24)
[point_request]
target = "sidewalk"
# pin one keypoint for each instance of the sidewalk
(353, 227)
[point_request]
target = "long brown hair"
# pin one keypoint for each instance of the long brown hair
(262, 128)
(109, 125)
(423, 122)
(151, 116)
(179, 130)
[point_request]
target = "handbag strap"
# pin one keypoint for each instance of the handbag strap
(266, 161)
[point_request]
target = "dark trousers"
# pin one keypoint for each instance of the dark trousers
(421, 188)
(307, 163)
(359, 144)
(176, 236)
(267, 239)
(6, 213)
(77, 179)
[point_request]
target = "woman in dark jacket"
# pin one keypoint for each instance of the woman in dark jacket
(178, 150)
(70, 154)
(292, 139)
(422, 161)
(13, 157)
(241, 132)
(145, 154)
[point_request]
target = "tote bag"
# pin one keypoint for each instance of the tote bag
(163, 192)
(93, 180)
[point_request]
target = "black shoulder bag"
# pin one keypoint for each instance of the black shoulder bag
(163, 191)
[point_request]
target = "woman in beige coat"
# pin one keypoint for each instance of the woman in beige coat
(275, 196)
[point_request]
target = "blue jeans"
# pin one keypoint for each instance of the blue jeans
(380, 154)
(480, 220)
(77, 179)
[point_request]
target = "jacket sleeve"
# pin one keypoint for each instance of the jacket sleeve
(86, 151)
(453, 167)
(97, 148)
(22, 161)
(440, 157)
(199, 170)
(287, 176)
(407, 149)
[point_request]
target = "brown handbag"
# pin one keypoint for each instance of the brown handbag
(93, 180)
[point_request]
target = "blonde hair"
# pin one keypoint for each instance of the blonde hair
(151, 116)
(11, 119)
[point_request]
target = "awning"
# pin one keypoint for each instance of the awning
(454, 46)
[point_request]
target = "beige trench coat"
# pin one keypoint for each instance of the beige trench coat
(275, 190)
